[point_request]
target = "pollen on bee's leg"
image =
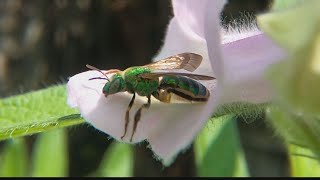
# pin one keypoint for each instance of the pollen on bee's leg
(162, 95)
(127, 115)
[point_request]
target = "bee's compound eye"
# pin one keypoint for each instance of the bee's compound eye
(117, 84)
(111, 87)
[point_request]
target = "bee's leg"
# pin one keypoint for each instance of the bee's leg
(127, 115)
(162, 95)
(138, 115)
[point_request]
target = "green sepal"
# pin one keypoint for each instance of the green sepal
(293, 27)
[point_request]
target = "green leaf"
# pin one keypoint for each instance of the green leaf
(14, 159)
(295, 128)
(284, 4)
(218, 151)
(302, 164)
(35, 112)
(50, 156)
(117, 161)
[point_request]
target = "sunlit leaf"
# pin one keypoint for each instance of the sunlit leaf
(35, 112)
(303, 162)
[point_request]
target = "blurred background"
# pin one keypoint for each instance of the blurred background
(44, 42)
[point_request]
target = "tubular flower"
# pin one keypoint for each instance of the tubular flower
(237, 61)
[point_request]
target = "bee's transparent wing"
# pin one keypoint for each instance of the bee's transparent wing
(159, 74)
(187, 61)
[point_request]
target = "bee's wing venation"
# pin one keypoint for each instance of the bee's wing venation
(159, 74)
(187, 61)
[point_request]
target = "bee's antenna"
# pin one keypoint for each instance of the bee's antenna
(94, 68)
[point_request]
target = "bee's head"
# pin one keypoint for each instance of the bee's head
(115, 85)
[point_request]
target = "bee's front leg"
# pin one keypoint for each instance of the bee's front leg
(138, 115)
(127, 115)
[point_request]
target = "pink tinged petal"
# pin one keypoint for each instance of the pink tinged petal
(179, 126)
(212, 36)
(179, 40)
(178, 130)
(190, 16)
(212, 29)
(245, 63)
(185, 32)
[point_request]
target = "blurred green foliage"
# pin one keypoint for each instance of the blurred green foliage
(14, 159)
(117, 161)
(50, 155)
(294, 114)
(218, 150)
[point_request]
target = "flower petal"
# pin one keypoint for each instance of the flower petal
(212, 36)
(106, 114)
(245, 62)
(185, 31)
(185, 34)
(168, 127)
(179, 126)
(190, 16)
(178, 40)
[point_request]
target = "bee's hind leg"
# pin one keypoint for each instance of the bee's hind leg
(138, 115)
(127, 115)
(162, 95)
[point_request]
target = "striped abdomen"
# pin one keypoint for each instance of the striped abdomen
(185, 87)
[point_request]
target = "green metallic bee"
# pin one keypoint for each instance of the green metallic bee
(146, 81)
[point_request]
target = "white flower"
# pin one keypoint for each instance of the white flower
(238, 63)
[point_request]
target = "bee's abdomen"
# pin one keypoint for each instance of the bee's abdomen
(185, 87)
